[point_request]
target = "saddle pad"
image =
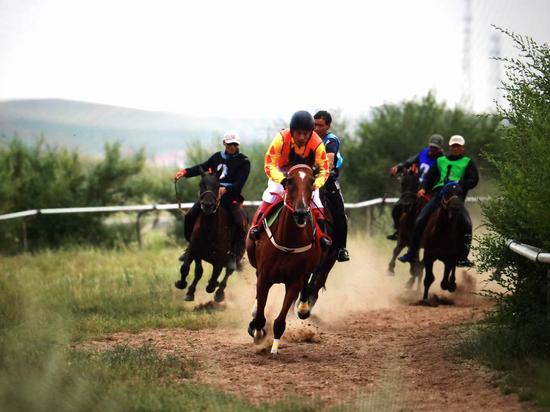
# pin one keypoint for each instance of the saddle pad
(274, 213)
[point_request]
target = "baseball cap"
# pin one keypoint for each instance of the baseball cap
(456, 139)
(231, 137)
(436, 140)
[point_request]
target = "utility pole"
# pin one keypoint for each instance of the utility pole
(496, 72)
(467, 98)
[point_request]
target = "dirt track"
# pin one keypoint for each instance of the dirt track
(390, 358)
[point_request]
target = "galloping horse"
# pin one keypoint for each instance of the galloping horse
(287, 252)
(210, 241)
(443, 237)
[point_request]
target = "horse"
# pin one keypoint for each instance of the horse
(287, 252)
(410, 206)
(210, 241)
(443, 237)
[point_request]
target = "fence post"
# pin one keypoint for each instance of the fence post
(24, 233)
(138, 228)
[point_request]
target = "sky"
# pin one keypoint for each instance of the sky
(246, 58)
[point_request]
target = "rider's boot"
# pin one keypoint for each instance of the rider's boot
(463, 261)
(321, 222)
(393, 236)
(343, 255)
(255, 229)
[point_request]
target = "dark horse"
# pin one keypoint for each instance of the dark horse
(287, 252)
(407, 210)
(443, 237)
(210, 241)
(310, 291)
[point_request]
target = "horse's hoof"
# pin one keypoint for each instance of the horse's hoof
(304, 315)
(312, 301)
(219, 296)
(259, 335)
(275, 346)
(452, 287)
(211, 287)
(190, 297)
(180, 284)
(444, 285)
(251, 331)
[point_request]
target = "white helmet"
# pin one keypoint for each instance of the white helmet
(231, 137)
(457, 139)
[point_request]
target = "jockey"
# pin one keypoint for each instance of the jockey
(323, 120)
(452, 167)
(297, 145)
(423, 161)
(232, 168)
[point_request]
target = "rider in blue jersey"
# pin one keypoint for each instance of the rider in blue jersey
(423, 161)
(323, 120)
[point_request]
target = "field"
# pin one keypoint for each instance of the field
(86, 329)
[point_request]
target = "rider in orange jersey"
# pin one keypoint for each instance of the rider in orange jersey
(297, 145)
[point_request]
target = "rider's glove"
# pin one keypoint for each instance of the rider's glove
(180, 174)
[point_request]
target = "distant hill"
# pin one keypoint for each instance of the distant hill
(87, 126)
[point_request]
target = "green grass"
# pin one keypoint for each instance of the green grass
(526, 375)
(52, 301)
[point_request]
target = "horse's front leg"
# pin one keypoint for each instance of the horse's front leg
(279, 325)
(220, 293)
(256, 325)
(452, 279)
(184, 270)
(303, 303)
(190, 295)
(396, 251)
(213, 282)
(429, 278)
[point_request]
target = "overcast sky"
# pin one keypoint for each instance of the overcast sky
(245, 58)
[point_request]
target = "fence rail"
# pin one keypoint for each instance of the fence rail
(142, 209)
(528, 251)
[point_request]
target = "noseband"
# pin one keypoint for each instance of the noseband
(210, 192)
(287, 205)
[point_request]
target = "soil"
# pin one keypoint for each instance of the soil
(386, 354)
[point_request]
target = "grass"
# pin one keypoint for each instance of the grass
(526, 375)
(52, 300)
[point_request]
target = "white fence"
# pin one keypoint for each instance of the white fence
(141, 209)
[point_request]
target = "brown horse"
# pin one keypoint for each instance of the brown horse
(210, 241)
(287, 252)
(443, 237)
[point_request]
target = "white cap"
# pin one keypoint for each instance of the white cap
(456, 139)
(231, 137)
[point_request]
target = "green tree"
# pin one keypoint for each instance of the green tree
(394, 132)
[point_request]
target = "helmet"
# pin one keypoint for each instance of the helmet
(302, 120)
(436, 140)
(231, 137)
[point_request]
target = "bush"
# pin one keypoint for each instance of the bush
(521, 211)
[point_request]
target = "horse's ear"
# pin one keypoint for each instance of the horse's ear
(201, 170)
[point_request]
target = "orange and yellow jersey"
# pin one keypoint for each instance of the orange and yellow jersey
(283, 153)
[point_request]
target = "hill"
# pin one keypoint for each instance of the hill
(88, 126)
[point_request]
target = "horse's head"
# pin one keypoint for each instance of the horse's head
(299, 192)
(409, 180)
(451, 196)
(208, 193)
